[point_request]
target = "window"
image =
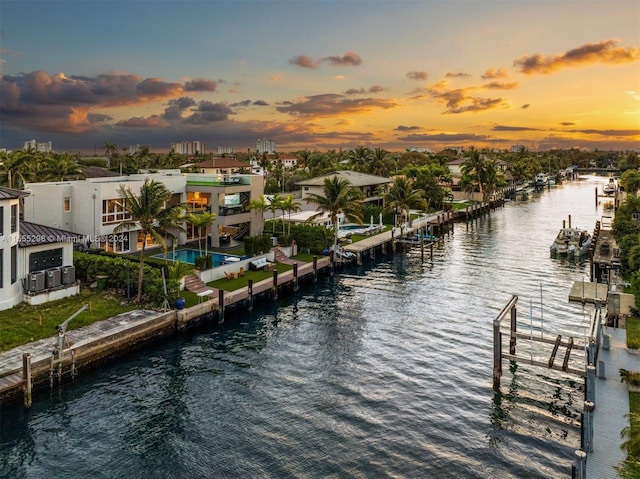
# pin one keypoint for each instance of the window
(116, 243)
(14, 264)
(197, 201)
(114, 211)
(67, 204)
(14, 218)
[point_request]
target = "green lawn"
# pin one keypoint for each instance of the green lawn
(631, 467)
(24, 323)
(633, 333)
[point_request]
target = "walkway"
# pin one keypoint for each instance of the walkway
(612, 404)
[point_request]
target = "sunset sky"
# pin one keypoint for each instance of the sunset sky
(320, 74)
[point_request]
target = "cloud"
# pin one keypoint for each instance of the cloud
(209, 112)
(513, 128)
(348, 59)
(525, 106)
(176, 107)
(605, 52)
(491, 74)
(200, 84)
(417, 75)
(406, 128)
(260, 103)
(303, 61)
(331, 104)
(457, 75)
(448, 137)
(362, 91)
(459, 100)
(614, 133)
(153, 121)
(495, 85)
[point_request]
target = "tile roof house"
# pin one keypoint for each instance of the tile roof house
(370, 185)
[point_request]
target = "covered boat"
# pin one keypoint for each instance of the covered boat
(571, 242)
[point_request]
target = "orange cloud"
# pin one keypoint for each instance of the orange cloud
(605, 52)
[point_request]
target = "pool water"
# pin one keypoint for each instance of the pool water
(190, 255)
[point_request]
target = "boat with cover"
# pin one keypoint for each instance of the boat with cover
(609, 188)
(541, 179)
(340, 254)
(571, 242)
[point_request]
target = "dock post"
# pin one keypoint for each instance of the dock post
(221, 306)
(422, 248)
(295, 276)
(497, 355)
(250, 291)
(26, 377)
(359, 258)
(315, 268)
(579, 469)
(590, 392)
(275, 284)
(587, 426)
(393, 243)
(512, 339)
(431, 251)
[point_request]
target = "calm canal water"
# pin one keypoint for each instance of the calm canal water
(384, 370)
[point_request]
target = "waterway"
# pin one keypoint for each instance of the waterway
(383, 370)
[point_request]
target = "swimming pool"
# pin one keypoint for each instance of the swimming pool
(190, 255)
(353, 228)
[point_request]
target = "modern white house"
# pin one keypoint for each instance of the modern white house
(94, 207)
(36, 261)
(372, 187)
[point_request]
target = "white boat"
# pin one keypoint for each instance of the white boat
(541, 179)
(572, 242)
(610, 188)
(339, 254)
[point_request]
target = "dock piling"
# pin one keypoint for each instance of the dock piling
(250, 292)
(315, 268)
(221, 306)
(26, 377)
(295, 276)
(275, 284)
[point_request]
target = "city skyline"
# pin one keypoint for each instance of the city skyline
(320, 74)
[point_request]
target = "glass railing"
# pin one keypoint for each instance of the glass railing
(197, 179)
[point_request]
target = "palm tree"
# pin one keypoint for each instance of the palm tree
(403, 197)
(473, 167)
(289, 204)
(110, 151)
(339, 197)
(148, 212)
(630, 179)
(200, 222)
(274, 205)
(358, 158)
(61, 167)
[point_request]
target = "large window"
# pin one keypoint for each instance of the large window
(116, 243)
(45, 259)
(14, 218)
(114, 211)
(14, 264)
(197, 201)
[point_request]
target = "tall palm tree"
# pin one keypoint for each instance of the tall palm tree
(289, 204)
(402, 197)
(60, 167)
(149, 212)
(358, 158)
(380, 163)
(473, 167)
(110, 151)
(201, 222)
(339, 197)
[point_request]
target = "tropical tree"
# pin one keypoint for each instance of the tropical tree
(110, 151)
(473, 167)
(201, 223)
(402, 197)
(18, 167)
(358, 158)
(60, 167)
(148, 211)
(289, 205)
(340, 197)
(630, 179)
(380, 163)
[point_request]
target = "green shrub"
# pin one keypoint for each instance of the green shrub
(255, 244)
(204, 262)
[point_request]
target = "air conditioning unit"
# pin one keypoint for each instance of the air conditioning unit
(53, 277)
(35, 281)
(68, 274)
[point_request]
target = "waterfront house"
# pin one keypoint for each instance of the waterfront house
(372, 187)
(94, 207)
(36, 261)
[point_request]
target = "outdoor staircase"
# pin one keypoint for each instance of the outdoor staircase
(196, 285)
(280, 257)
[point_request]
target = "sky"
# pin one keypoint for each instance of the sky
(320, 74)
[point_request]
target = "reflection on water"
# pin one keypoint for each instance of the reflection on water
(384, 370)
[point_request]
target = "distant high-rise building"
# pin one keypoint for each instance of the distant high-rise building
(226, 150)
(517, 148)
(188, 147)
(34, 145)
(265, 146)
